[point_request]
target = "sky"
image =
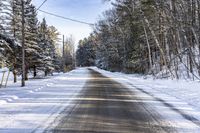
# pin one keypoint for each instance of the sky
(83, 10)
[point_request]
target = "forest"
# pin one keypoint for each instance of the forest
(152, 37)
(19, 25)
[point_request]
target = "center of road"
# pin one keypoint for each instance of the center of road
(105, 106)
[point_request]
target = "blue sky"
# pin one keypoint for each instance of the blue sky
(84, 10)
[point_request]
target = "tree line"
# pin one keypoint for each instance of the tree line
(41, 48)
(155, 37)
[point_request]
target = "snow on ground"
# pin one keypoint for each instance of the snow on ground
(4, 69)
(188, 91)
(34, 107)
(6, 73)
(177, 100)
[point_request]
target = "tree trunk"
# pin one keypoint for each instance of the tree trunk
(15, 71)
(26, 74)
(158, 45)
(15, 75)
(46, 73)
(149, 49)
(34, 71)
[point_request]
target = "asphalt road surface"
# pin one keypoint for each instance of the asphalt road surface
(105, 106)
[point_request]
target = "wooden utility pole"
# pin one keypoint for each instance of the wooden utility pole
(74, 59)
(63, 53)
(23, 44)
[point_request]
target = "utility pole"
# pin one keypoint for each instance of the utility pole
(23, 44)
(63, 53)
(74, 58)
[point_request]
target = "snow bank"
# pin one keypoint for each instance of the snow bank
(187, 91)
(5, 69)
(39, 104)
(36, 106)
(180, 96)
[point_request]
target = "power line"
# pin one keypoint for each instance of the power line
(74, 20)
(42, 4)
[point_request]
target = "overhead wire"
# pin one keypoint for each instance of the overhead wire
(66, 18)
(41, 4)
(55, 15)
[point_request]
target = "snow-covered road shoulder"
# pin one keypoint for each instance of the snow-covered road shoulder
(168, 96)
(34, 107)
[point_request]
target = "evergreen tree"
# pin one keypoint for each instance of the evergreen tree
(150, 36)
(40, 39)
(46, 43)
(33, 56)
(86, 53)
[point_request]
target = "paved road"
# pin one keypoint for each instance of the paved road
(105, 106)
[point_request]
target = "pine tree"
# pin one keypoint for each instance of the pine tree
(7, 41)
(151, 36)
(46, 44)
(33, 57)
(86, 53)
(15, 33)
